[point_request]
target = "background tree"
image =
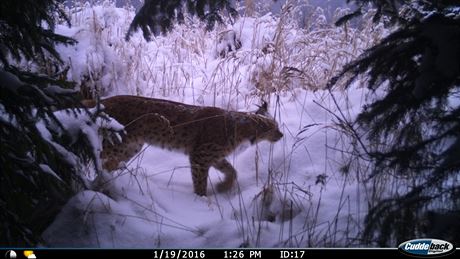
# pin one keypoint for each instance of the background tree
(413, 129)
(158, 16)
(37, 171)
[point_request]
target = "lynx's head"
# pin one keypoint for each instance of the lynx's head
(267, 127)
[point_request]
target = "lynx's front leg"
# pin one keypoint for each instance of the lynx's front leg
(230, 175)
(200, 170)
(201, 159)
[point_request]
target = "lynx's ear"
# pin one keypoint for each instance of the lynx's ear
(263, 109)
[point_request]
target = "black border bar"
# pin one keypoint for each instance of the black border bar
(222, 253)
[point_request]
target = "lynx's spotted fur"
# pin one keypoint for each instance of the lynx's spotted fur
(206, 134)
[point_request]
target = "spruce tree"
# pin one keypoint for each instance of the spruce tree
(158, 16)
(36, 171)
(413, 130)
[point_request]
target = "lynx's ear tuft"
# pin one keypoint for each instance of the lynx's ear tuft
(263, 109)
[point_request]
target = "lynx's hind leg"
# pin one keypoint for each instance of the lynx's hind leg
(157, 131)
(138, 132)
(230, 175)
(114, 154)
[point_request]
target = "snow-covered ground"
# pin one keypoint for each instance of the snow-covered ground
(299, 192)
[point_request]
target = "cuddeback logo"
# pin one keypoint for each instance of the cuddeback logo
(426, 247)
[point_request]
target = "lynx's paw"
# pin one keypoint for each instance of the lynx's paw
(224, 186)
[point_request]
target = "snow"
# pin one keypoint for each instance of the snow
(278, 201)
(78, 122)
(48, 170)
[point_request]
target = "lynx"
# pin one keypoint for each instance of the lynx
(206, 134)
